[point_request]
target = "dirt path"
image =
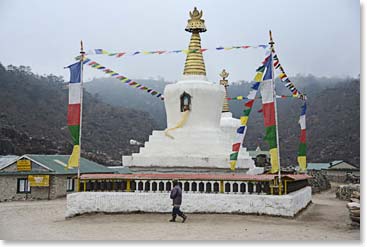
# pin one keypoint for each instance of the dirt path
(325, 219)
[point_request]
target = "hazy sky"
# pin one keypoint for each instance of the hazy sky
(321, 37)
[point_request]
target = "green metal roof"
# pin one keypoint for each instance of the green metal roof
(120, 169)
(317, 166)
(57, 165)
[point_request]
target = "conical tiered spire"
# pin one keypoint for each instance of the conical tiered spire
(224, 74)
(194, 64)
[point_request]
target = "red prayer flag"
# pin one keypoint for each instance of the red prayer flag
(249, 103)
(236, 147)
(302, 137)
(73, 114)
(269, 114)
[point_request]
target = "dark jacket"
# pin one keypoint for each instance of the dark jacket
(176, 195)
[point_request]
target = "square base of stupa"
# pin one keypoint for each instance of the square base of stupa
(191, 150)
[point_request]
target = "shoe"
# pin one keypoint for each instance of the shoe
(173, 219)
(184, 218)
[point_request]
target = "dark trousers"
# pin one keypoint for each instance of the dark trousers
(176, 211)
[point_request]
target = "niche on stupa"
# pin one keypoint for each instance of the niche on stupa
(185, 100)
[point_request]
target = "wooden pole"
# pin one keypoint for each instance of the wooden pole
(82, 53)
(271, 43)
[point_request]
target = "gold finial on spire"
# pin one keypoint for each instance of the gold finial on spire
(224, 74)
(194, 64)
(271, 42)
(82, 52)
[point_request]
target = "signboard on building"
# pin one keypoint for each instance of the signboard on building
(39, 180)
(24, 165)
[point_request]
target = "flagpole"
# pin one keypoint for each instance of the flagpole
(81, 111)
(271, 43)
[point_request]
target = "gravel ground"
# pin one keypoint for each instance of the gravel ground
(325, 219)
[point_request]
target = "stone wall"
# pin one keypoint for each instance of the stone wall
(319, 181)
(340, 176)
(344, 192)
(8, 189)
(113, 202)
(58, 186)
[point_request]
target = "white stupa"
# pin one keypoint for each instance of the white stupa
(201, 137)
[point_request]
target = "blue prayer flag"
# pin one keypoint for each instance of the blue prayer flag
(241, 129)
(255, 85)
(304, 108)
(269, 69)
(75, 72)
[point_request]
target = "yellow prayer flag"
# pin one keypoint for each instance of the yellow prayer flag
(233, 164)
(274, 160)
(258, 77)
(281, 75)
(239, 98)
(302, 163)
(243, 120)
(186, 51)
(104, 52)
(74, 157)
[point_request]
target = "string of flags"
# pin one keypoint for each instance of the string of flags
(302, 140)
(241, 98)
(285, 79)
(122, 78)
(160, 52)
(241, 131)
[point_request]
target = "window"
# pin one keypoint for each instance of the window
(186, 186)
(185, 100)
(194, 186)
(201, 187)
(154, 186)
(168, 186)
(161, 186)
(208, 187)
(23, 186)
(69, 184)
(216, 187)
(235, 187)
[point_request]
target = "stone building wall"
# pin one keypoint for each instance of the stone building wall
(8, 188)
(340, 176)
(58, 186)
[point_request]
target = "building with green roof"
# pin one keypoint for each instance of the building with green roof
(38, 176)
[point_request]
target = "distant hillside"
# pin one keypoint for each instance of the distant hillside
(332, 117)
(33, 119)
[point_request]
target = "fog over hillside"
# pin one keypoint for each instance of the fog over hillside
(331, 135)
(33, 117)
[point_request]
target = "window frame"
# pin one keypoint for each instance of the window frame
(26, 187)
(72, 184)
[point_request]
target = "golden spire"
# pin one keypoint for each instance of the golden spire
(194, 64)
(224, 82)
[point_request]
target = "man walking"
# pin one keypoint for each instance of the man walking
(176, 196)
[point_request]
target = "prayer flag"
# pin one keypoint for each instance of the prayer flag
(73, 116)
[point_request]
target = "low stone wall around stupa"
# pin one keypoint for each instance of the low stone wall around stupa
(129, 202)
